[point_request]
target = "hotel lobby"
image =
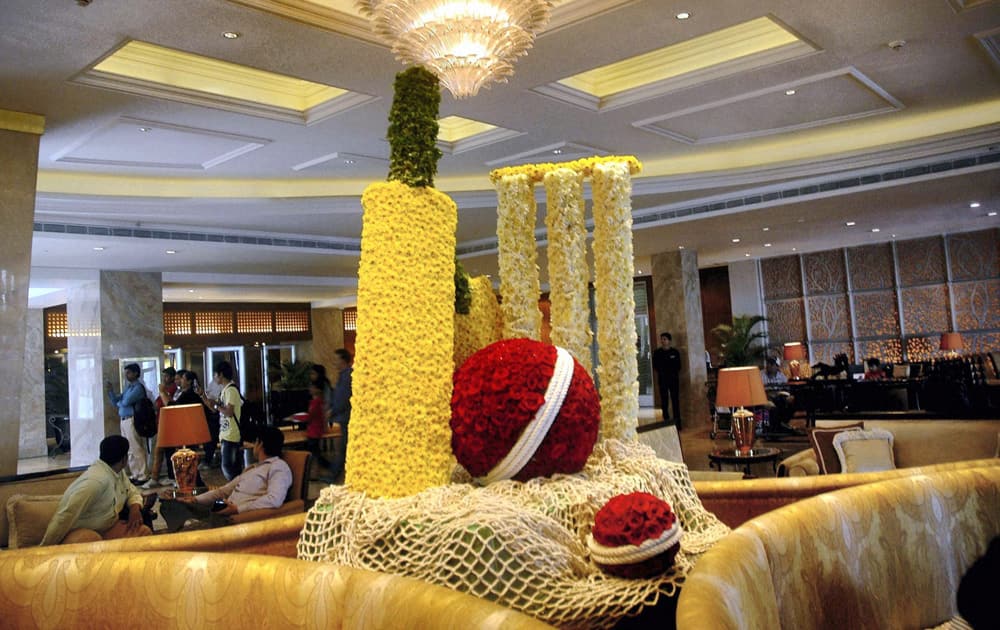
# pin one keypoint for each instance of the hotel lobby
(183, 182)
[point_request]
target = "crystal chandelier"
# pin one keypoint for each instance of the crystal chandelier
(466, 43)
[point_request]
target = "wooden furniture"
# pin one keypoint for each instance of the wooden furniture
(297, 438)
(721, 456)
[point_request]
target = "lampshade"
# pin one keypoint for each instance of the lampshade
(182, 425)
(794, 351)
(740, 387)
(951, 341)
(466, 43)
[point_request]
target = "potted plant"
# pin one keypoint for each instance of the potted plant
(741, 345)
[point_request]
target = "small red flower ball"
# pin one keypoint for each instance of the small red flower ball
(635, 535)
(497, 393)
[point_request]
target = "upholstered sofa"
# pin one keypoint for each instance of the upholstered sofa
(40, 485)
(915, 443)
(883, 555)
(213, 590)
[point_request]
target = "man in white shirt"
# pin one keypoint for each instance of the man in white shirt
(102, 499)
(263, 485)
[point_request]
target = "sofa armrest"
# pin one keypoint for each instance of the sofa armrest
(295, 506)
(801, 464)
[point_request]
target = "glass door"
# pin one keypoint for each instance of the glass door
(236, 358)
(644, 352)
(172, 358)
(271, 358)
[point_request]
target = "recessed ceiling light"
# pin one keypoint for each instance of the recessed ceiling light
(683, 15)
(991, 213)
(638, 270)
(556, 151)
(736, 240)
(231, 35)
(98, 249)
(876, 230)
(767, 244)
(680, 247)
(789, 92)
(795, 249)
(190, 290)
(171, 251)
(850, 223)
(348, 161)
(144, 129)
(892, 236)
(747, 254)
(974, 204)
(765, 229)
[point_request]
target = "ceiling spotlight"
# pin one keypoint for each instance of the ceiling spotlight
(98, 249)
(747, 254)
(680, 247)
(896, 44)
(876, 230)
(556, 151)
(789, 92)
(683, 15)
(144, 129)
(348, 161)
(736, 240)
(765, 229)
(795, 249)
(171, 251)
(767, 244)
(190, 290)
(231, 35)
(974, 204)
(850, 223)
(991, 213)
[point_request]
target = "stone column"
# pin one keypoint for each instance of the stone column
(19, 135)
(31, 442)
(115, 315)
(327, 336)
(677, 303)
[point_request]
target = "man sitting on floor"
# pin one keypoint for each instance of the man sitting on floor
(101, 500)
(263, 485)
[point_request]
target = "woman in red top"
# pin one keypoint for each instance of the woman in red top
(316, 426)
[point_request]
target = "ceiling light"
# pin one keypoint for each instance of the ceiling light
(466, 43)
(171, 251)
(556, 151)
(683, 15)
(850, 223)
(795, 249)
(231, 35)
(747, 254)
(680, 247)
(767, 244)
(991, 213)
(144, 129)
(876, 230)
(98, 249)
(190, 290)
(896, 44)
(348, 161)
(765, 229)
(974, 204)
(789, 92)
(736, 240)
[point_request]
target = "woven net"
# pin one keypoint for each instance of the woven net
(520, 544)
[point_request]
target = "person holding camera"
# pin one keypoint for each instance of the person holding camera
(263, 485)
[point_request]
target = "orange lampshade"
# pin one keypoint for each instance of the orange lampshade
(182, 425)
(951, 341)
(740, 387)
(794, 351)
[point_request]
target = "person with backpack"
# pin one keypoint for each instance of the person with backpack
(126, 402)
(229, 405)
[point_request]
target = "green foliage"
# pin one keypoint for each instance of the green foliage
(741, 346)
(413, 128)
(295, 374)
(463, 295)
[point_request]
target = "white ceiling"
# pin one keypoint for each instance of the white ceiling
(880, 134)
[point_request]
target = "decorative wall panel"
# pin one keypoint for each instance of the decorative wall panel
(977, 304)
(922, 348)
(921, 261)
(825, 352)
(871, 267)
(887, 350)
(829, 318)
(786, 321)
(782, 277)
(825, 272)
(974, 255)
(981, 342)
(877, 314)
(925, 309)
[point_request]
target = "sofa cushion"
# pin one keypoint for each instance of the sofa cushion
(864, 451)
(28, 516)
(822, 444)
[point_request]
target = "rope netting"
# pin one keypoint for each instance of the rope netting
(520, 544)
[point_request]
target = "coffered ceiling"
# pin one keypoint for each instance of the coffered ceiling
(884, 113)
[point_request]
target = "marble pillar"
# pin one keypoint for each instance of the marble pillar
(327, 336)
(677, 303)
(19, 135)
(112, 316)
(31, 442)
(745, 296)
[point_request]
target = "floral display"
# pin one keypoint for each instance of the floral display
(585, 166)
(618, 372)
(482, 325)
(402, 374)
(635, 535)
(516, 258)
(568, 270)
(504, 393)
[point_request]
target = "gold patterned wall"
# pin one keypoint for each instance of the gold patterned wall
(888, 300)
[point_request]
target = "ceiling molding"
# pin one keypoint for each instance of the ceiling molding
(342, 161)
(22, 122)
(315, 14)
(559, 151)
(990, 41)
(478, 141)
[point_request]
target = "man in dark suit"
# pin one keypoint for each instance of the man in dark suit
(667, 364)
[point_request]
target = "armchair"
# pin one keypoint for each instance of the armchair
(295, 501)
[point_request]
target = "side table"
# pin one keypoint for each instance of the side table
(721, 456)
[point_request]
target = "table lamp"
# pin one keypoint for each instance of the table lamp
(181, 425)
(741, 387)
(951, 343)
(794, 352)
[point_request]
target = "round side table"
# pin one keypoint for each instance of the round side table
(721, 456)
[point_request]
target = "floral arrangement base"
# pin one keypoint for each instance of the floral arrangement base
(522, 544)
(635, 535)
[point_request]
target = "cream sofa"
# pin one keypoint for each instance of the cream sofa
(41, 486)
(916, 443)
(883, 555)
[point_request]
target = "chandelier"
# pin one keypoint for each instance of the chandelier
(466, 43)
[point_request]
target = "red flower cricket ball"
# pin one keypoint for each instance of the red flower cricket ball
(497, 393)
(635, 535)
